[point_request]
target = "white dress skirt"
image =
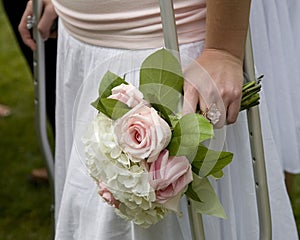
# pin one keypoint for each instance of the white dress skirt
(275, 55)
(82, 215)
(293, 9)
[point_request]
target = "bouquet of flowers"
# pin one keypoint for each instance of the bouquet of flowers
(143, 154)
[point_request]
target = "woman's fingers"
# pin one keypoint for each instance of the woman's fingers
(233, 111)
(201, 92)
(24, 32)
(47, 20)
(190, 100)
(44, 26)
(214, 83)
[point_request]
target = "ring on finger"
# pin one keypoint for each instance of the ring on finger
(30, 21)
(212, 114)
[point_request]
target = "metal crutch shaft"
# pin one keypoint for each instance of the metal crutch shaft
(257, 150)
(171, 42)
(40, 92)
(263, 204)
(40, 100)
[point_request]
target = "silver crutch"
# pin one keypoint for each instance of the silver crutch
(257, 150)
(40, 98)
(262, 196)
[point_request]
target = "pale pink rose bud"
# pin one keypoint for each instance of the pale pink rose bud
(142, 133)
(107, 195)
(169, 176)
(128, 94)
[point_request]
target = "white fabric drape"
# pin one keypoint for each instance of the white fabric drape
(82, 215)
(276, 57)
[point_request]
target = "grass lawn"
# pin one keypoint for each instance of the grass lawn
(295, 198)
(24, 208)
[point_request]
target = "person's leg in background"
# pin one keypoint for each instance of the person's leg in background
(14, 11)
(4, 111)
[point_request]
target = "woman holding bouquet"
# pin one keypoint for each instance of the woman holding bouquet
(96, 36)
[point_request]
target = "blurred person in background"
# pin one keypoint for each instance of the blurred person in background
(4, 111)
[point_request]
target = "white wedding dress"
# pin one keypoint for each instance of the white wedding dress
(274, 39)
(82, 215)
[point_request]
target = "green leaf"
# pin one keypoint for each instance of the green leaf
(190, 130)
(163, 112)
(209, 162)
(218, 175)
(112, 108)
(166, 96)
(159, 63)
(209, 203)
(108, 82)
(191, 194)
(174, 120)
(161, 76)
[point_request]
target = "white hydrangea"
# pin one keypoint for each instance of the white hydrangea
(142, 217)
(125, 179)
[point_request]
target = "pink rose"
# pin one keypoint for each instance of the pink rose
(169, 177)
(127, 94)
(142, 133)
(107, 195)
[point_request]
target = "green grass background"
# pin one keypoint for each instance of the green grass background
(25, 209)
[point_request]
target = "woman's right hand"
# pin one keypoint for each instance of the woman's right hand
(216, 78)
(44, 26)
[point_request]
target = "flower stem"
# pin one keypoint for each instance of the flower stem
(250, 94)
